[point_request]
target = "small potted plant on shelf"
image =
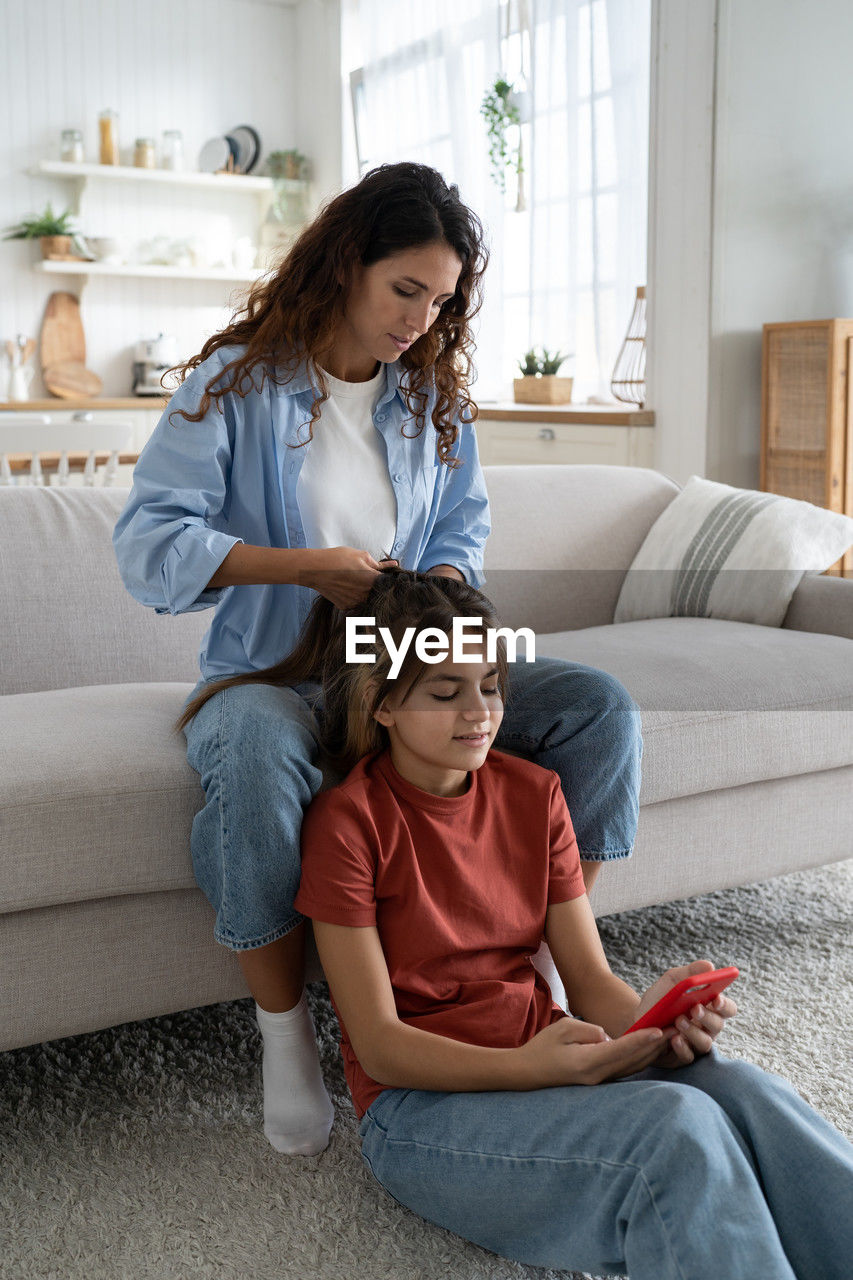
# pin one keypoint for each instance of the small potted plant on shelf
(53, 232)
(539, 383)
(287, 164)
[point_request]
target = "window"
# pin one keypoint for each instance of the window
(568, 255)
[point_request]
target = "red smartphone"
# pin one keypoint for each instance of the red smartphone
(701, 988)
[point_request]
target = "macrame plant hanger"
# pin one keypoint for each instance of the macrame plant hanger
(521, 88)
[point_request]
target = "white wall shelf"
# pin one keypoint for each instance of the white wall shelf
(145, 271)
(172, 177)
(263, 189)
(81, 175)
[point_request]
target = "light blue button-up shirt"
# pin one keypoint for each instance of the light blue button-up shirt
(201, 487)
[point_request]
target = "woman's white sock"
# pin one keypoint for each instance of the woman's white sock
(298, 1112)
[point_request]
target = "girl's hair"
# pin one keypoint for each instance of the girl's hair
(352, 692)
(292, 315)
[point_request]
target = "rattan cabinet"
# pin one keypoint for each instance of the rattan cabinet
(807, 415)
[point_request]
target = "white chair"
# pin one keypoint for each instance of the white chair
(35, 435)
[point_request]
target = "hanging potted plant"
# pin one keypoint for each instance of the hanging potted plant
(52, 231)
(539, 383)
(500, 110)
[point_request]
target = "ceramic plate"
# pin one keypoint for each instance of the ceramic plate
(249, 146)
(214, 155)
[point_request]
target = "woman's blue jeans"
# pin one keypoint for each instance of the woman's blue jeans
(255, 749)
(716, 1171)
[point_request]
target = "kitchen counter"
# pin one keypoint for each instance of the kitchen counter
(101, 402)
(491, 410)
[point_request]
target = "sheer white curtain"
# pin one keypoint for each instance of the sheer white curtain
(564, 269)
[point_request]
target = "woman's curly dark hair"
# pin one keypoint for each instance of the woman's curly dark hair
(292, 315)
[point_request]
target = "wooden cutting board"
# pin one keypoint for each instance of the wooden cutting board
(71, 380)
(62, 337)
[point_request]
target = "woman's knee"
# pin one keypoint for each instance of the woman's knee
(553, 690)
(609, 698)
(600, 705)
(260, 732)
(590, 690)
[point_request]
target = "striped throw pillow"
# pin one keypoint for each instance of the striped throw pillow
(719, 552)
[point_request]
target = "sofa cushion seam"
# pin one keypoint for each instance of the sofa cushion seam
(699, 718)
(130, 891)
(88, 796)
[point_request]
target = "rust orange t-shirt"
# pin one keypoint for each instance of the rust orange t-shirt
(457, 888)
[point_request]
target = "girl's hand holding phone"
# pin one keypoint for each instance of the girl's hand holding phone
(694, 1032)
(573, 1052)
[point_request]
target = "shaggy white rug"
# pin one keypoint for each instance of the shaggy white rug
(137, 1152)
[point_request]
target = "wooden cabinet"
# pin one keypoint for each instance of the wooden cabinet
(530, 436)
(806, 415)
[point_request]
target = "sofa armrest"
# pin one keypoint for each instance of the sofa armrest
(822, 604)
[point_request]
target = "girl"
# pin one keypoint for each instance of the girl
(327, 427)
(431, 874)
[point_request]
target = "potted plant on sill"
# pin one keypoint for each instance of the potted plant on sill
(53, 232)
(539, 383)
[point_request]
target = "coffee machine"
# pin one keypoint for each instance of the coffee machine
(152, 357)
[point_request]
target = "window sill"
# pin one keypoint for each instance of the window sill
(599, 414)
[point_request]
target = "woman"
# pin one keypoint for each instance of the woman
(327, 429)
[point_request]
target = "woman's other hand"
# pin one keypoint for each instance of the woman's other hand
(573, 1052)
(343, 575)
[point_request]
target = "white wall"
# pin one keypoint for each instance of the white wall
(681, 149)
(201, 66)
(318, 85)
(783, 199)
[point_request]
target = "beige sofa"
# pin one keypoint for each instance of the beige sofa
(748, 765)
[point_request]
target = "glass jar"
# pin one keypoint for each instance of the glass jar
(71, 146)
(173, 149)
(108, 133)
(143, 154)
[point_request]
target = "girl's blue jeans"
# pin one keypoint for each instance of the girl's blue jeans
(715, 1171)
(255, 750)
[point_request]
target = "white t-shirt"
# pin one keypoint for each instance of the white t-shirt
(344, 493)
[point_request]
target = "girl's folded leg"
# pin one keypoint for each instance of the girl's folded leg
(804, 1164)
(644, 1177)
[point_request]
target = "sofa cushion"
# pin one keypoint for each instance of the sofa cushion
(96, 796)
(67, 617)
(563, 537)
(724, 703)
(737, 554)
